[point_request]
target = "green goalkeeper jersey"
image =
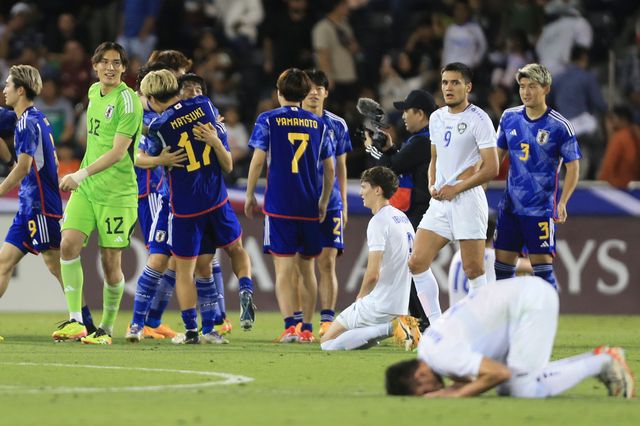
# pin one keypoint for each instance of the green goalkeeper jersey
(118, 112)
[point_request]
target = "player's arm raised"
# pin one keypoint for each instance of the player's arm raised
(255, 168)
(490, 375)
(570, 183)
(116, 153)
(372, 274)
(17, 174)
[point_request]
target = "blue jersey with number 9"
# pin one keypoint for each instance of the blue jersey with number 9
(296, 141)
(198, 187)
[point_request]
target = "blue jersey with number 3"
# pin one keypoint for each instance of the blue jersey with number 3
(537, 149)
(198, 187)
(295, 142)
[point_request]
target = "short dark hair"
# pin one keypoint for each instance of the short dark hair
(293, 85)
(463, 69)
(400, 377)
(317, 77)
(105, 47)
(623, 112)
(383, 177)
(146, 69)
(192, 78)
(173, 59)
(577, 52)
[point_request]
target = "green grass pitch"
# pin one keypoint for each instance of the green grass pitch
(156, 383)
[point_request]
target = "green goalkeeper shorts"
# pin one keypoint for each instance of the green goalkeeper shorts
(115, 224)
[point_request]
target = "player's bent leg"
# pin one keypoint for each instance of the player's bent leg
(241, 265)
(10, 255)
(113, 289)
(327, 287)
(285, 269)
(425, 248)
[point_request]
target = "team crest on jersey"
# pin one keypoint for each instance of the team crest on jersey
(542, 137)
(108, 113)
(462, 127)
(160, 236)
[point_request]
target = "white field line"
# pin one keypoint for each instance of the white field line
(228, 379)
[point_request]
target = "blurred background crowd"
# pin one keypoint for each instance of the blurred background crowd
(380, 49)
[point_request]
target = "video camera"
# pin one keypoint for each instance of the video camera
(374, 120)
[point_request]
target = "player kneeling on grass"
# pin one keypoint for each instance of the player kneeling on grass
(502, 336)
(381, 306)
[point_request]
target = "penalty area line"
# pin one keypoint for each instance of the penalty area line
(227, 379)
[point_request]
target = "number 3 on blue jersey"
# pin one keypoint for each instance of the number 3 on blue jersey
(304, 141)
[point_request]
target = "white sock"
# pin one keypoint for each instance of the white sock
(559, 376)
(477, 282)
(357, 338)
(427, 289)
(75, 316)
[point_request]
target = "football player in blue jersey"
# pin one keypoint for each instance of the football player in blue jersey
(202, 217)
(294, 142)
(332, 229)
(538, 140)
(36, 227)
(7, 125)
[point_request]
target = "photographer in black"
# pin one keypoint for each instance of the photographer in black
(410, 161)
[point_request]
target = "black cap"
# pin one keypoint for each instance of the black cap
(420, 99)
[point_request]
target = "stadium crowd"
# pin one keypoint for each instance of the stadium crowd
(375, 48)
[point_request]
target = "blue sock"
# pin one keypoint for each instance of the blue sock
(217, 278)
(504, 270)
(245, 284)
(190, 319)
(87, 320)
(161, 299)
(307, 326)
(298, 316)
(289, 322)
(545, 271)
(207, 301)
(147, 287)
(327, 315)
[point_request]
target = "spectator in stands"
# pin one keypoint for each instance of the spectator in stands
(464, 40)
(137, 28)
(287, 39)
(76, 74)
(577, 96)
(66, 29)
(58, 111)
(621, 163)
(335, 47)
(565, 28)
(240, 19)
(517, 55)
(237, 138)
(20, 40)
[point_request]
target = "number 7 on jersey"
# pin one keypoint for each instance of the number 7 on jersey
(304, 141)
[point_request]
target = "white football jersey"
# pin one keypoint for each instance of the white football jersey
(390, 231)
(458, 139)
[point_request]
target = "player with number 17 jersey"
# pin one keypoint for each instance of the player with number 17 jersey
(293, 183)
(537, 149)
(191, 194)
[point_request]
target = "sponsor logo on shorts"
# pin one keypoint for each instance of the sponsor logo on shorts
(118, 239)
(34, 242)
(544, 244)
(160, 236)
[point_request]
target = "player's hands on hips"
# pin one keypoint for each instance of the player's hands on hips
(250, 204)
(172, 159)
(562, 213)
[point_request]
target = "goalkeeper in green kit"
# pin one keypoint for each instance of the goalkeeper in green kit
(105, 194)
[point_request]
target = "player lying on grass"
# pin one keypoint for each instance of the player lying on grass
(502, 336)
(381, 306)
